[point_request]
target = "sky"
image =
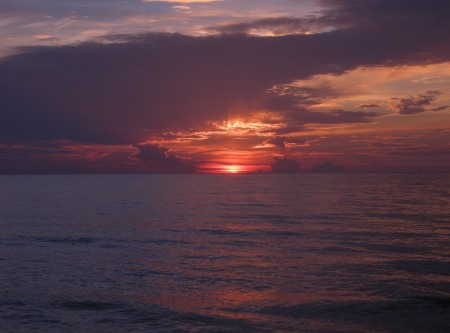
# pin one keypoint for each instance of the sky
(230, 86)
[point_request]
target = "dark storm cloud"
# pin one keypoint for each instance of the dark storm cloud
(119, 92)
(417, 104)
(163, 160)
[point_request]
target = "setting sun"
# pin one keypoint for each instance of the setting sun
(233, 169)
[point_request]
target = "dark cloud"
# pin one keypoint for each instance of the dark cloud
(327, 167)
(162, 160)
(278, 141)
(65, 158)
(302, 116)
(117, 92)
(285, 165)
(440, 108)
(416, 104)
(295, 104)
(423, 152)
(368, 106)
(42, 148)
(370, 15)
(386, 14)
(286, 130)
(121, 91)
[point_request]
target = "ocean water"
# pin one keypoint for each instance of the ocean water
(225, 253)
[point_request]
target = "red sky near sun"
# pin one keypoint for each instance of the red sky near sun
(225, 86)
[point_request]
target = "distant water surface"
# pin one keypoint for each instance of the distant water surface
(225, 253)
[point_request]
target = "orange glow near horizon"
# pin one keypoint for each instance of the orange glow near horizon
(248, 138)
(229, 169)
(233, 169)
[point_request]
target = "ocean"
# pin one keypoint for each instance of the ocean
(225, 253)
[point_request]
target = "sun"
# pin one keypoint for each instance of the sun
(232, 168)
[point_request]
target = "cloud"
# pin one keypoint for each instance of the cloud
(375, 14)
(162, 160)
(340, 117)
(440, 108)
(66, 157)
(278, 141)
(416, 104)
(181, 7)
(285, 165)
(125, 89)
(44, 37)
(122, 91)
(368, 106)
(327, 167)
(275, 26)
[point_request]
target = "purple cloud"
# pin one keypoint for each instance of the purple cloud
(285, 165)
(416, 104)
(327, 167)
(123, 91)
(275, 25)
(278, 141)
(162, 160)
(368, 106)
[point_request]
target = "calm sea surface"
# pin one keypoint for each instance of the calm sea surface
(231, 253)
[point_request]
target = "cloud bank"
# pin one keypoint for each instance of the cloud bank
(126, 89)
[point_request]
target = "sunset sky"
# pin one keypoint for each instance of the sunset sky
(229, 86)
